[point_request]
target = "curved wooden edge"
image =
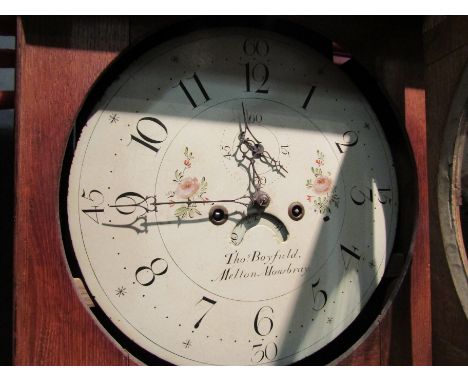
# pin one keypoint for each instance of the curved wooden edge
(51, 325)
(449, 189)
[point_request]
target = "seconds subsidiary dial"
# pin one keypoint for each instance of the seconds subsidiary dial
(232, 200)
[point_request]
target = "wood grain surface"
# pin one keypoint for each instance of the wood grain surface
(52, 326)
(446, 56)
(421, 329)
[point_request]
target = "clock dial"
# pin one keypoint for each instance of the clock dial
(232, 200)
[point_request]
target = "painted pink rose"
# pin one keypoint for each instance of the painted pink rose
(187, 187)
(322, 184)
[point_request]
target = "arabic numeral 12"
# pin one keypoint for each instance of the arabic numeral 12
(258, 73)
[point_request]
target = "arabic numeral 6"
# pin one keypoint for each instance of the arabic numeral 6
(263, 324)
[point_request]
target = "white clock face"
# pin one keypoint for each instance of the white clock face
(232, 200)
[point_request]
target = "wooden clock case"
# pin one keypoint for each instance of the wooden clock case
(59, 60)
(445, 42)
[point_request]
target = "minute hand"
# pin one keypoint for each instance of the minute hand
(257, 149)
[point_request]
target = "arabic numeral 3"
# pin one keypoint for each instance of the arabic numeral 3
(320, 297)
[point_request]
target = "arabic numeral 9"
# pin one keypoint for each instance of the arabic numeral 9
(234, 238)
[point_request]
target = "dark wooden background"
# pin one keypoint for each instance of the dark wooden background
(7, 64)
(446, 57)
(59, 58)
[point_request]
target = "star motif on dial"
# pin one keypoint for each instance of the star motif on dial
(113, 118)
(121, 291)
(187, 344)
(329, 320)
(366, 125)
(371, 264)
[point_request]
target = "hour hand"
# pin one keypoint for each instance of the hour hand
(273, 163)
(246, 126)
(153, 202)
(256, 147)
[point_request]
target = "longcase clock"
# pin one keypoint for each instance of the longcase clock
(215, 193)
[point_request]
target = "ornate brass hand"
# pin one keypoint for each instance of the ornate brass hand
(253, 150)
